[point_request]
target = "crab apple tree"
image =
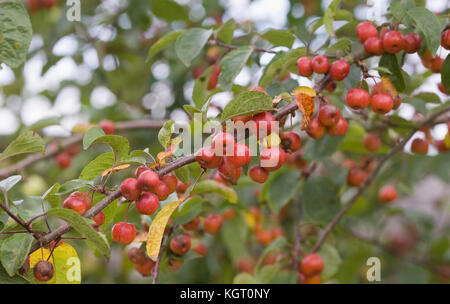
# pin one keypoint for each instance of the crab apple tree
(169, 141)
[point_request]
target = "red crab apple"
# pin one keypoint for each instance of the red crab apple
(212, 223)
(374, 45)
(311, 265)
(419, 146)
(371, 142)
(43, 271)
(241, 156)
(387, 194)
(258, 174)
(271, 158)
(329, 115)
(316, 130)
(381, 103)
(130, 188)
(99, 218)
(123, 232)
(393, 42)
(107, 126)
(180, 244)
(357, 99)
(338, 129)
(356, 177)
(320, 64)
(339, 70)
(366, 30)
(304, 65)
(147, 180)
(290, 141)
(207, 158)
(148, 203)
(413, 43)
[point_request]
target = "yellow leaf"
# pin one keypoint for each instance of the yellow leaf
(447, 140)
(272, 140)
(140, 237)
(156, 230)
(115, 169)
(304, 90)
(304, 98)
(65, 262)
(249, 219)
(82, 128)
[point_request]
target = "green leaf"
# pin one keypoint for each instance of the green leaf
(73, 185)
(232, 64)
(417, 103)
(168, 10)
(97, 166)
(25, 143)
(321, 148)
(183, 174)
(118, 144)
(199, 93)
(279, 37)
(281, 64)
(190, 44)
(445, 73)
(43, 123)
(245, 278)
(163, 42)
(51, 195)
(211, 186)
(280, 188)
(225, 32)
(14, 251)
(429, 25)
(353, 140)
(6, 279)
(92, 134)
(331, 259)
(188, 210)
(166, 132)
(320, 199)
(328, 17)
(8, 183)
(341, 46)
(80, 224)
(389, 62)
(15, 32)
(247, 103)
(382, 70)
(191, 110)
(234, 234)
(428, 97)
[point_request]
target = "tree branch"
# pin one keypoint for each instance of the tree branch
(74, 139)
(371, 177)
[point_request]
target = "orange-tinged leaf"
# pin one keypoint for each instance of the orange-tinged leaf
(388, 87)
(156, 230)
(82, 128)
(141, 237)
(304, 98)
(115, 169)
